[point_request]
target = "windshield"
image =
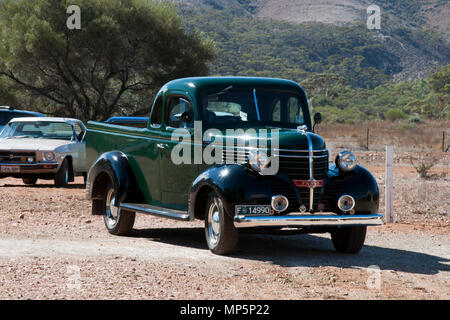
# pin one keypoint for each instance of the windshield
(273, 108)
(38, 129)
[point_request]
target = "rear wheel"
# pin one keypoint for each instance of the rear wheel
(221, 234)
(29, 181)
(62, 176)
(117, 221)
(349, 239)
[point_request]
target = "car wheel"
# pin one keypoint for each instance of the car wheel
(62, 176)
(29, 181)
(221, 234)
(117, 221)
(349, 239)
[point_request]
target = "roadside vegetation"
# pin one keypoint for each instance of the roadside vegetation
(124, 52)
(347, 71)
(122, 55)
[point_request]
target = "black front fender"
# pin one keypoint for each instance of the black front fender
(234, 183)
(359, 183)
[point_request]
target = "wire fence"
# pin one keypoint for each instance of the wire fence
(427, 137)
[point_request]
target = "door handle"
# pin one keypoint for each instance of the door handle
(162, 145)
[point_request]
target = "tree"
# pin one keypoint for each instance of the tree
(6, 97)
(324, 84)
(440, 80)
(124, 51)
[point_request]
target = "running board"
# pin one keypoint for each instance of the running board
(156, 211)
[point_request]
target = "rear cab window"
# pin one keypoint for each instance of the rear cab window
(156, 116)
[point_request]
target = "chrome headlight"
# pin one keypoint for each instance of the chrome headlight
(279, 203)
(258, 160)
(346, 203)
(48, 156)
(346, 161)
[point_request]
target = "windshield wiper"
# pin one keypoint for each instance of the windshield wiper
(221, 92)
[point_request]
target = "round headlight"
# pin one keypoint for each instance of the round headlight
(346, 203)
(49, 156)
(258, 160)
(346, 161)
(279, 203)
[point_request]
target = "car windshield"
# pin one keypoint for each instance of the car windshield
(272, 108)
(38, 129)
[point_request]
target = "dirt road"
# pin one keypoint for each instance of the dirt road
(51, 247)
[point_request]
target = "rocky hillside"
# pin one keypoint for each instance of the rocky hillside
(414, 33)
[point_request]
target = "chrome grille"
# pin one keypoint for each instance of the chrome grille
(235, 155)
(295, 164)
(16, 157)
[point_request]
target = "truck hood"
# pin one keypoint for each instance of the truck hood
(288, 138)
(31, 144)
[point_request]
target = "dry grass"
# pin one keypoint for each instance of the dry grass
(426, 136)
(417, 201)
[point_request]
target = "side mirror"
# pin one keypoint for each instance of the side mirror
(187, 116)
(317, 119)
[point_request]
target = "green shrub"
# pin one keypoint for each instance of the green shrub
(394, 114)
(414, 119)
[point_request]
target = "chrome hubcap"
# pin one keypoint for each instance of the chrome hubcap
(112, 210)
(214, 223)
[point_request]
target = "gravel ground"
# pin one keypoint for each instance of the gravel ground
(52, 248)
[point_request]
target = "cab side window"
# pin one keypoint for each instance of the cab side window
(176, 107)
(156, 117)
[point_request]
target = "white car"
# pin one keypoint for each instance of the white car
(43, 148)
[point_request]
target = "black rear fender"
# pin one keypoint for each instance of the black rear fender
(112, 167)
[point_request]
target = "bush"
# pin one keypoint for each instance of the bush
(394, 114)
(415, 119)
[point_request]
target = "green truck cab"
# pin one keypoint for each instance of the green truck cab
(237, 153)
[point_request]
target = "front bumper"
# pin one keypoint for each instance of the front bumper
(307, 220)
(6, 169)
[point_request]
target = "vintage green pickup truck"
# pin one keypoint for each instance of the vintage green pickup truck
(237, 153)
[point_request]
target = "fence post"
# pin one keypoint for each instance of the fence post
(443, 141)
(367, 139)
(389, 184)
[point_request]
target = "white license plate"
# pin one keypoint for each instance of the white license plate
(10, 169)
(253, 209)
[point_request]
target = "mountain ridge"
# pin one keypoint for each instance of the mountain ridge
(405, 25)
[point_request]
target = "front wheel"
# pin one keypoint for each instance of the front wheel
(62, 176)
(117, 221)
(349, 239)
(221, 234)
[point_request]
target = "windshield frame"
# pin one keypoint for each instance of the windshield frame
(259, 123)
